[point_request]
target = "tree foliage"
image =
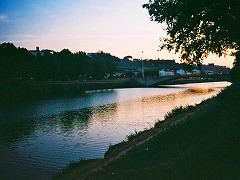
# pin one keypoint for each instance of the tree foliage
(19, 63)
(197, 28)
(235, 72)
(14, 61)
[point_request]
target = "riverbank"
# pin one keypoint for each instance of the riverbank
(21, 90)
(17, 91)
(196, 142)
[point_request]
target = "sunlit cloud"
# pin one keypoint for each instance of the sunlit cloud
(3, 18)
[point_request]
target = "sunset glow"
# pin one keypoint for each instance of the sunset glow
(118, 27)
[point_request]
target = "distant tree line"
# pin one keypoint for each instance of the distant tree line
(20, 64)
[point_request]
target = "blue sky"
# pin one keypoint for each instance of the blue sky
(120, 27)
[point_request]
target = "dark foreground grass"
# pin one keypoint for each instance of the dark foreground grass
(205, 146)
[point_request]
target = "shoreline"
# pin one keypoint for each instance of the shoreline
(195, 142)
(21, 90)
(29, 90)
(85, 168)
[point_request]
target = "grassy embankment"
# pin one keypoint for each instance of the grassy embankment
(201, 142)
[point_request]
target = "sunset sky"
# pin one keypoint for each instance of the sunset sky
(119, 27)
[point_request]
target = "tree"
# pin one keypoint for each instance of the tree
(47, 67)
(235, 70)
(84, 65)
(100, 68)
(111, 67)
(8, 60)
(15, 62)
(198, 28)
(68, 67)
(24, 63)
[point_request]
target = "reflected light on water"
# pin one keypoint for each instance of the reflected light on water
(83, 127)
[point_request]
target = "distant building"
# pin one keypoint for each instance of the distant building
(38, 53)
(209, 72)
(180, 72)
(162, 73)
(196, 71)
(166, 73)
(215, 69)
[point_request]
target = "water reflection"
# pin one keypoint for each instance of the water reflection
(43, 145)
(14, 132)
(44, 107)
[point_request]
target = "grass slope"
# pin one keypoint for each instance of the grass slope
(205, 145)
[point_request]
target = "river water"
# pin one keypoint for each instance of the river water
(38, 138)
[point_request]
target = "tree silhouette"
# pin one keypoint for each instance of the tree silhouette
(84, 65)
(198, 28)
(8, 58)
(67, 64)
(235, 72)
(15, 62)
(20, 64)
(24, 63)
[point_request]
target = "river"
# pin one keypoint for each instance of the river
(38, 138)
